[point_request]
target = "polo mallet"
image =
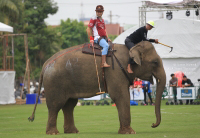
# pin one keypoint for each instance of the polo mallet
(166, 46)
(100, 92)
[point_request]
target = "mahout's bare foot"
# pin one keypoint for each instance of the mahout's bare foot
(105, 65)
(129, 70)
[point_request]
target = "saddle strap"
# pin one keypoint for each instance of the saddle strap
(111, 50)
(112, 60)
(104, 80)
(103, 71)
(122, 69)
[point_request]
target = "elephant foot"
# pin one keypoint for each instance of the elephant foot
(126, 130)
(71, 130)
(52, 132)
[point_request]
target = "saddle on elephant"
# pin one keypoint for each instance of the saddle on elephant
(88, 49)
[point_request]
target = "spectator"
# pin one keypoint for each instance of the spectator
(173, 83)
(137, 86)
(132, 86)
(146, 89)
(187, 83)
(138, 83)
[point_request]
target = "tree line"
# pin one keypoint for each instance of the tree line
(27, 16)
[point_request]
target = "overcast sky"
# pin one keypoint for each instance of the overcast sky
(123, 11)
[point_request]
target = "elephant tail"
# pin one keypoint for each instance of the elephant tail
(31, 118)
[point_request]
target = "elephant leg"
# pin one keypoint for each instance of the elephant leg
(53, 109)
(51, 124)
(68, 110)
(122, 101)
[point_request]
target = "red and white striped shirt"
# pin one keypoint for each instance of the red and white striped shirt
(98, 27)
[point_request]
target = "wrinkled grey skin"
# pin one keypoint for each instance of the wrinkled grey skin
(72, 75)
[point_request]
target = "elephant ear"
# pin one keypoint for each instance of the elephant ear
(135, 54)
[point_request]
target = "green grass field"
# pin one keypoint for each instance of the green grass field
(178, 121)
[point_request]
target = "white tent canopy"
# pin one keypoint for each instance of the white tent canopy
(166, 1)
(183, 35)
(170, 1)
(5, 28)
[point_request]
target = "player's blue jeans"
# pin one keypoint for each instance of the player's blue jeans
(103, 43)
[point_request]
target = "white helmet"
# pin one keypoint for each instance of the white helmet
(151, 23)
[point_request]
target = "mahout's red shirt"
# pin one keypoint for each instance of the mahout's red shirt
(98, 27)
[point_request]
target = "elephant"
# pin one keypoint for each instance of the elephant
(71, 74)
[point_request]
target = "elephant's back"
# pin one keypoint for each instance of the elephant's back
(61, 53)
(75, 53)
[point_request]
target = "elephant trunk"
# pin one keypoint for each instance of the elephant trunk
(161, 81)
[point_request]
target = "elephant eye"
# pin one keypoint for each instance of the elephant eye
(155, 62)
